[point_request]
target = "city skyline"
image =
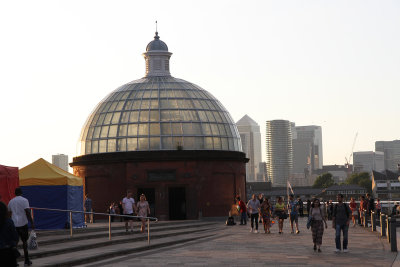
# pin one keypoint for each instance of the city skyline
(316, 63)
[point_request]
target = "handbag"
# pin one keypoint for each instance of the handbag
(32, 242)
(309, 221)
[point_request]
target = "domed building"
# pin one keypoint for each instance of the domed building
(164, 137)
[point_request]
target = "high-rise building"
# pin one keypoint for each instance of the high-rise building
(391, 150)
(60, 160)
(279, 151)
(250, 135)
(367, 161)
(309, 147)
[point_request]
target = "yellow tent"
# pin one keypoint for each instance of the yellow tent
(42, 172)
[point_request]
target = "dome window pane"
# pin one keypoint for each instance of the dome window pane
(208, 143)
(197, 128)
(143, 143)
(176, 129)
(197, 104)
(143, 129)
(199, 143)
(134, 116)
(88, 147)
(214, 129)
(155, 129)
(210, 116)
(224, 144)
(187, 129)
(107, 118)
(147, 94)
(189, 115)
(165, 115)
(217, 143)
(166, 128)
(202, 116)
(154, 104)
(136, 105)
(121, 144)
(102, 146)
(123, 130)
(166, 142)
(101, 119)
(155, 143)
(104, 131)
(154, 115)
(206, 129)
(96, 133)
(95, 146)
(175, 115)
(217, 116)
(231, 146)
(144, 115)
(128, 105)
(154, 93)
(111, 145)
(125, 95)
(221, 129)
(116, 117)
(188, 143)
(173, 104)
(90, 133)
(164, 104)
(125, 117)
(132, 144)
(113, 106)
(106, 107)
(120, 105)
(132, 130)
(113, 131)
(145, 104)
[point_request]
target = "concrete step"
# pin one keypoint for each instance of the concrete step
(115, 231)
(54, 248)
(109, 252)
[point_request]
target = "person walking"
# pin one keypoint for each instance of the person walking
(354, 212)
(280, 213)
(293, 207)
(8, 239)
(261, 199)
(128, 206)
(88, 208)
(265, 212)
(317, 224)
(254, 208)
(363, 209)
(143, 211)
(21, 214)
(243, 211)
(340, 222)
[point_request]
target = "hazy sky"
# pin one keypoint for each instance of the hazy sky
(330, 63)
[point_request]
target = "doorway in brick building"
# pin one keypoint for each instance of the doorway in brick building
(150, 197)
(177, 203)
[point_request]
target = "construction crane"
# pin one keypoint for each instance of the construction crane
(352, 149)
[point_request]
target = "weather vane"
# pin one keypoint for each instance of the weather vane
(156, 25)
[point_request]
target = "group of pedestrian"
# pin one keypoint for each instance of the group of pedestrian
(130, 208)
(318, 212)
(14, 228)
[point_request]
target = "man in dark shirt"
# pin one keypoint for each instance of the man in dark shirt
(340, 222)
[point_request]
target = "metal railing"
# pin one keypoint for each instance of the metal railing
(148, 219)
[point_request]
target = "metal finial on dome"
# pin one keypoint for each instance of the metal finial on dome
(156, 36)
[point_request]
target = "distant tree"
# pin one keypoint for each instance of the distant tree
(324, 181)
(362, 179)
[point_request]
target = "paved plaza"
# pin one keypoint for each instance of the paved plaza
(236, 246)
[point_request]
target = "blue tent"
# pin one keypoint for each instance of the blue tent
(47, 186)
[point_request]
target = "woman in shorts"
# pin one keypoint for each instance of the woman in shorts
(354, 211)
(280, 213)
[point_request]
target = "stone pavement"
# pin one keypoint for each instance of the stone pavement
(236, 246)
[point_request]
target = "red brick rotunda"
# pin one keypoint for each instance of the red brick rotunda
(164, 137)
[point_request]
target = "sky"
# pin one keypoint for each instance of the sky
(330, 63)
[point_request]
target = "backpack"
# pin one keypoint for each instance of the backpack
(346, 209)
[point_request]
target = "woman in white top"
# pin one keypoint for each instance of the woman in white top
(317, 225)
(143, 211)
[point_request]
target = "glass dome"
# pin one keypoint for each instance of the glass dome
(159, 112)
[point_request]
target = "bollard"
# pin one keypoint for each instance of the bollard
(109, 227)
(373, 222)
(387, 228)
(393, 235)
(70, 223)
(383, 224)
